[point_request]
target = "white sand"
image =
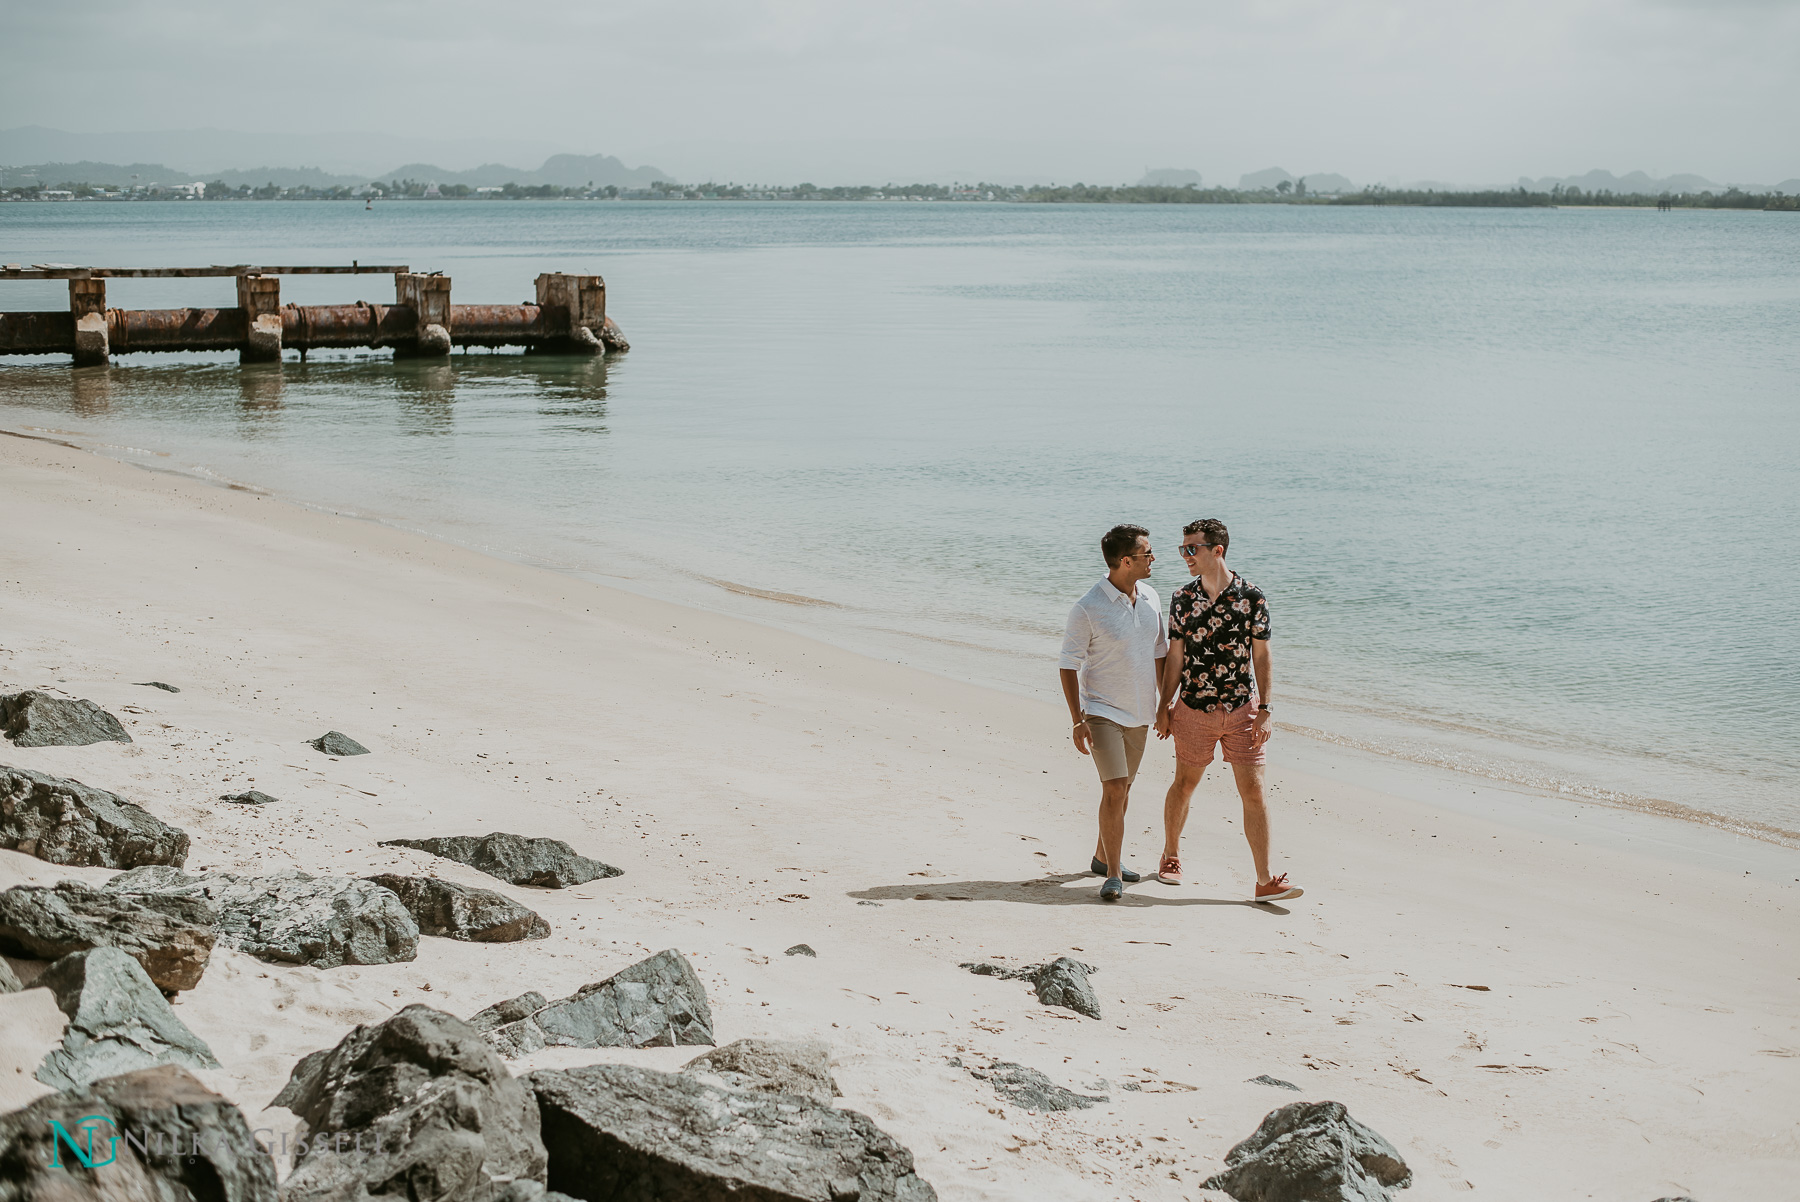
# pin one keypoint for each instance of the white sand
(1638, 1037)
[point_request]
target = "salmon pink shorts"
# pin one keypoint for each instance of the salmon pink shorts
(1197, 731)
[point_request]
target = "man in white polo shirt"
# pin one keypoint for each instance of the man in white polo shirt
(1112, 658)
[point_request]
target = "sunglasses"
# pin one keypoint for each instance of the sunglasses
(1188, 551)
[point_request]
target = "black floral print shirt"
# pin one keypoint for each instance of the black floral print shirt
(1216, 669)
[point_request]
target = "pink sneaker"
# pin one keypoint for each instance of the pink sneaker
(1168, 870)
(1278, 890)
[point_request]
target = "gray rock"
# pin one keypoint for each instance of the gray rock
(615, 1131)
(196, 1146)
(290, 917)
(800, 949)
(797, 1066)
(1062, 982)
(1032, 1090)
(656, 1003)
(438, 1117)
(1277, 1082)
(34, 719)
(516, 859)
(250, 797)
(157, 684)
(66, 822)
(9, 980)
(170, 937)
(118, 1021)
(336, 742)
(452, 911)
(612, 336)
(1312, 1152)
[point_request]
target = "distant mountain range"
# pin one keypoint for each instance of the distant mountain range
(560, 170)
(1638, 184)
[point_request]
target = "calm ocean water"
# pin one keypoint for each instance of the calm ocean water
(1520, 485)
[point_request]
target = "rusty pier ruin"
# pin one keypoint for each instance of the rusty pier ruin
(569, 316)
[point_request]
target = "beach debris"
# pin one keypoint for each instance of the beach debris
(66, 822)
(1311, 1152)
(118, 1021)
(157, 684)
(1032, 1090)
(431, 1110)
(653, 1134)
(1277, 1082)
(186, 1142)
(34, 719)
(290, 917)
(1062, 982)
(787, 1066)
(1476, 988)
(171, 938)
(800, 949)
(656, 1003)
(451, 911)
(250, 797)
(515, 859)
(336, 742)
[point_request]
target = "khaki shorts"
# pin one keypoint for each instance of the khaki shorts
(1117, 749)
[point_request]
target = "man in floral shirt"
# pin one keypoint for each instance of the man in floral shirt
(1219, 665)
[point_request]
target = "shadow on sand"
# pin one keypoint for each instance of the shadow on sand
(1049, 891)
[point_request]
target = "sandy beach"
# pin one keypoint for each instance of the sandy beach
(1529, 997)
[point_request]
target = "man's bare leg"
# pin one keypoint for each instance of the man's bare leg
(1256, 816)
(1110, 850)
(1175, 806)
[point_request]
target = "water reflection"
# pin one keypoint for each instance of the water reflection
(90, 390)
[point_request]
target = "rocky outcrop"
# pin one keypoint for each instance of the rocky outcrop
(66, 822)
(1312, 1152)
(170, 937)
(290, 917)
(616, 1131)
(656, 1003)
(801, 1067)
(452, 911)
(431, 1109)
(516, 859)
(9, 980)
(187, 1144)
(336, 742)
(1062, 982)
(1030, 1089)
(249, 797)
(118, 1021)
(34, 719)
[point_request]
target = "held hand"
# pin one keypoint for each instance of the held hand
(1082, 736)
(1260, 728)
(1165, 723)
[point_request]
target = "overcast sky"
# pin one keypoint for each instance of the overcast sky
(833, 91)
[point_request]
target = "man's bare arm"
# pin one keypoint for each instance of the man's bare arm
(1168, 672)
(1071, 687)
(1265, 681)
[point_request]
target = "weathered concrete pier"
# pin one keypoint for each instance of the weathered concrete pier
(568, 317)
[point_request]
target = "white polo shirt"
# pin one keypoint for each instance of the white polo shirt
(1115, 645)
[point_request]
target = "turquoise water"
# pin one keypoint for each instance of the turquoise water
(1520, 484)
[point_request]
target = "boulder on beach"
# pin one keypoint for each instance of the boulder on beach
(792, 1066)
(34, 719)
(250, 797)
(448, 910)
(1312, 1152)
(336, 742)
(187, 1144)
(118, 1021)
(170, 937)
(1027, 1088)
(515, 859)
(656, 1003)
(619, 1131)
(9, 980)
(66, 822)
(433, 1112)
(1062, 982)
(290, 917)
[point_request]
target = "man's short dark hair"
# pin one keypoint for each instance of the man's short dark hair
(1212, 530)
(1119, 542)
